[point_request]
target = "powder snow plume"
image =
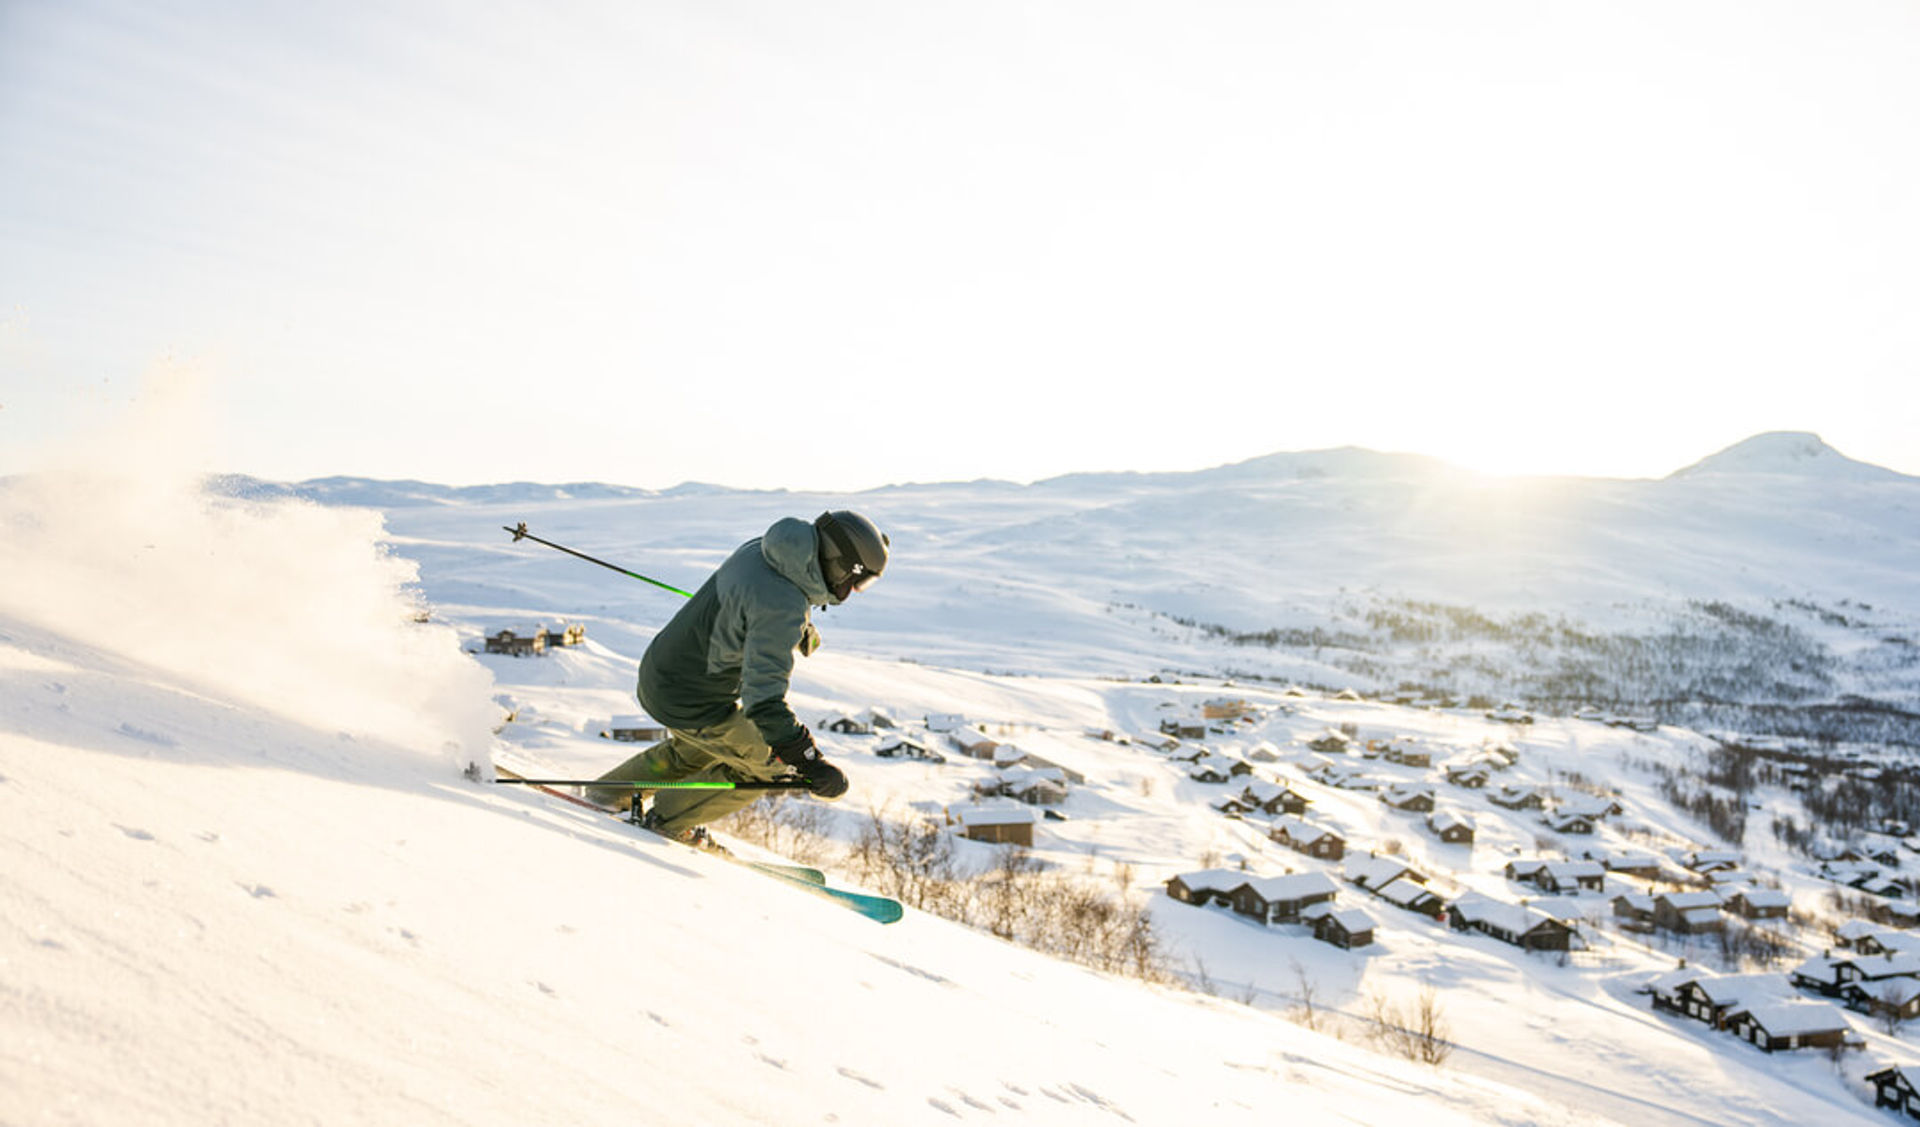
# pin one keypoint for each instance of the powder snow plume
(288, 606)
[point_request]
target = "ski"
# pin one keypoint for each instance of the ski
(880, 909)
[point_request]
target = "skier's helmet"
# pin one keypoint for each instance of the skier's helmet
(853, 552)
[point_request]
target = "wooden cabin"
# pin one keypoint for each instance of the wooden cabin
(1281, 899)
(1345, 928)
(1527, 928)
(1687, 913)
(1409, 796)
(634, 729)
(996, 823)
(565, 634)
(1306, 837)
(1784, 1026)
(1893, 1089)
(1559, 877)
(1451, 827)
(515, 644)
(1759, 903)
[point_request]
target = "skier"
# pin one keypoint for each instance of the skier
(716, 675)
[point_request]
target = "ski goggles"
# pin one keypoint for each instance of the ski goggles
(858, 578)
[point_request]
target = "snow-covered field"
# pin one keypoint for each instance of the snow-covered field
(245, 879)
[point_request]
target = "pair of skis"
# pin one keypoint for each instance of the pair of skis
(881, 909)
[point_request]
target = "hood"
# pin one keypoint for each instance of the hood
(792, 548)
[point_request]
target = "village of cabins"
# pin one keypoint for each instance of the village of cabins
(1872, 966)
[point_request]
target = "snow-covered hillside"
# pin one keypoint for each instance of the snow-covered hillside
(246, 880)
(1775, 573)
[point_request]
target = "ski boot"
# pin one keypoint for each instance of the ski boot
(695, 836)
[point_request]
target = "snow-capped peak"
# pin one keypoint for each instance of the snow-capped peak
(1801, 453)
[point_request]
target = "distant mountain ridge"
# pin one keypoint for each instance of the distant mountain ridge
(1786, 452)
(1796, 453)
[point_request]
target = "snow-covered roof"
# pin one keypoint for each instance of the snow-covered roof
(1688, 901)
(1022, 774)
(1403, 891)
(1515, 919)
(1215, 880)
(1893, 991)
(1005, 755)
(1750, 989)
(1351, 920)
(1797, 1017)
(1710, 857)
(993, 814)
(1586, 805)
(1766, 898)
(1854, 930)
(1621, 858)
(1669, 981)
(1887, 965)
(1559, 870)
(1819, 967)
(1293, 886)
(1299, 829)
(1374, 871)
(1265, 790)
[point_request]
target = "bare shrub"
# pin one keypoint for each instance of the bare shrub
(914, 859)
(1003, 902)
(1306, 993)
(786, 825)
(909, 859)
(1417, 1032)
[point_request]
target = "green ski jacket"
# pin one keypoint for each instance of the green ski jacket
(733, 642)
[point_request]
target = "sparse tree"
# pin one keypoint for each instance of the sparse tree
(1306, 991)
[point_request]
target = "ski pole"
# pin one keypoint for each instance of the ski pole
(520, 533)
(650, 784)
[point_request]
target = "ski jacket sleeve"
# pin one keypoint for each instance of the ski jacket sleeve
(766, 666)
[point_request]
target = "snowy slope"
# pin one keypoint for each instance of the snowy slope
(245, 880)
(212, 915)
(232, 899)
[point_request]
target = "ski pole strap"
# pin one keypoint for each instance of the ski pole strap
(656, 784)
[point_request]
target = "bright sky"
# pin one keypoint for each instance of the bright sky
(839, 244)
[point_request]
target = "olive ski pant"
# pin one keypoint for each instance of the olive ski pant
(731, 749)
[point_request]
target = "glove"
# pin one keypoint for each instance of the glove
(823, 779)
